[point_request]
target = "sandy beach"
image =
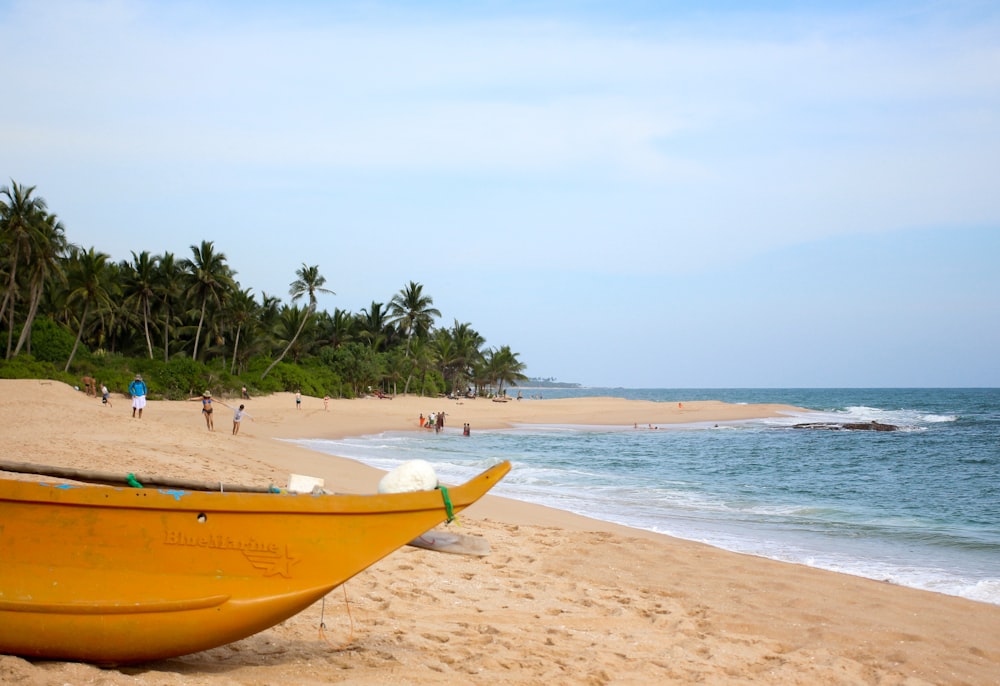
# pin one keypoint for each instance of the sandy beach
(561, 599)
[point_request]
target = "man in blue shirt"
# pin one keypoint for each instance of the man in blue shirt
(137, 389)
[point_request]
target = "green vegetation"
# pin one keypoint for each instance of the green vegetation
(535, 382)
(187, 324)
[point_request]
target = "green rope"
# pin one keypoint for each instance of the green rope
(133, 482)
(447, 504)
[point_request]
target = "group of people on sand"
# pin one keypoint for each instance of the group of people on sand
(206, 409)
(90, 388)
(435, 420)
(138, 390)
(298, 401)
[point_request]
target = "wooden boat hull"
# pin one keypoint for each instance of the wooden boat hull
(120, 575)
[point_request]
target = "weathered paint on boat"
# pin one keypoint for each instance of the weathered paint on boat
(119, 575)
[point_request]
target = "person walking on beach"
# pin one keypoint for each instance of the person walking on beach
(238, 416)
(206, 408)
(298, 400)
(105, 395)
(244, 394)
(137, 389)
(326, 402)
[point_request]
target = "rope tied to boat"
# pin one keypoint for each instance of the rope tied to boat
(447, 503)
(350, 618)
(132, 481)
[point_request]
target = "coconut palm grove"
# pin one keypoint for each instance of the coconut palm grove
(185, 323)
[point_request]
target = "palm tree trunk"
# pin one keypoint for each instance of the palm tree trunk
(406, 388)
(197, 336)
(3, 307)
(289, 346)
(236, 347)
(79, 335)
(145, 325)
(8, 300)
(36, 297)
(166, 336)
(10, 331)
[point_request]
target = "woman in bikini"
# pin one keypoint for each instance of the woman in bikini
(206, 408)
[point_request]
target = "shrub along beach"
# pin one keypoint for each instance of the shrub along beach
(184, 319)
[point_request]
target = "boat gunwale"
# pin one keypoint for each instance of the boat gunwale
(285, 502)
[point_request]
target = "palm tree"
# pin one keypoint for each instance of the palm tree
(293, 332)
(310, 282)
(341, 327)
(140, 289)
(373, 325)
(458, 352)
(89, 283)
(210, 279)
(115, 323)
(240, 312)
(504, 367)
(270, 310)
(411, 310)
(469, 342)
(21, 226)
(423, 359)
(167, 286)
(45, 266)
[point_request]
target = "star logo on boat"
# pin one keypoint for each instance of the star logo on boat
(273, 563)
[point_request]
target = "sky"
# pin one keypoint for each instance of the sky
(635, 194)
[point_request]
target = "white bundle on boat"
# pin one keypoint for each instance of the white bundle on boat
(415, 475)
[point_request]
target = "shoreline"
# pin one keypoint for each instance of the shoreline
(561, 597)
(555, 483)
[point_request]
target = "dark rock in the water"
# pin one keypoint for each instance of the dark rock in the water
(848, 426)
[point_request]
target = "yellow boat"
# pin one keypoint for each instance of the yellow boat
(121, 575)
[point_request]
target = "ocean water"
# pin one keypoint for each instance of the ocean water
(919, 507)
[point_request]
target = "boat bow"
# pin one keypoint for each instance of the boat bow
(117, 575)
